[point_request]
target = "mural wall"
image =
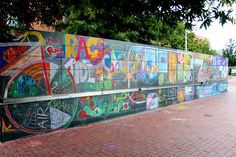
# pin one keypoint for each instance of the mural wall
(119, 78)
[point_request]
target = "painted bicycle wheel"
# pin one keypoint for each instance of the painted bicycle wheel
(39, 79)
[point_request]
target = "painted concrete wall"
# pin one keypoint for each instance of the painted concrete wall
(99, 79)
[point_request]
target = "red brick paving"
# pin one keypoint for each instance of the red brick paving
(201, 128)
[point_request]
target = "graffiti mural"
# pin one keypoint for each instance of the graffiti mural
(71, 80)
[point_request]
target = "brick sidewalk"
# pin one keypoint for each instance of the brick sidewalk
(205, 127)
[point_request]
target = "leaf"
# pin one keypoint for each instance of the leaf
(88, 111)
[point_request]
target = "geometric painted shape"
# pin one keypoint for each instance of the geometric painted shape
(58, 118)
(152, 101)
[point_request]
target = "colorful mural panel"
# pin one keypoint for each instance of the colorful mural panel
(172, 67)
(98, 78)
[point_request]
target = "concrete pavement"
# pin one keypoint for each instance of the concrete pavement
(200, 128)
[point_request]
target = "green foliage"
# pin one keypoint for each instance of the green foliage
(153, 31)
(230, 52)
(132, 20)
(173, 37)
(141, 16)
(161, 23)
(20, 14)
(136, 22)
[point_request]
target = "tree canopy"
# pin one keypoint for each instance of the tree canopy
(139, 21)
(174, 37)
(230, 52)
(133, 20)
(20, 14)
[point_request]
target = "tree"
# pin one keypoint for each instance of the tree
(127, 20)
(139, 21)
(204, 47)
(20, 14)
(173, 37)
(230, 52)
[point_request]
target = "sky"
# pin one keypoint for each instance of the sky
(218, 35)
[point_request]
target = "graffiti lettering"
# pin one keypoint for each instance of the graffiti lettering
(77, 47)
(53, 50)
